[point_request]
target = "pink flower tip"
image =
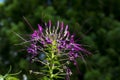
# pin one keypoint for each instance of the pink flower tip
(49, 23)
(40, 27)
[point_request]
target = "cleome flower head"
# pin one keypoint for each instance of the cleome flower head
(55, 39)
(58, 36)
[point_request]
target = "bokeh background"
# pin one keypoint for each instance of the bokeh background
(95, 22)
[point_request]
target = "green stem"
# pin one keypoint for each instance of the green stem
(51, 61)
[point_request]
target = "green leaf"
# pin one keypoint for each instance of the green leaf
(1, 77)
(11, 78)
(44, 78)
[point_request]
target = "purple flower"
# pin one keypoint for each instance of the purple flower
(59, 36)
(60, 39)
(68, 73)
(35, 35)
(32, 50)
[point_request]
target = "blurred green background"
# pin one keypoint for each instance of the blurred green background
(95, 22)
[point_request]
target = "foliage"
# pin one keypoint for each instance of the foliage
(9, 76)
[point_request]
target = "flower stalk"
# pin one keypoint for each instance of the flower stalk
(59, 49)
(53, 61)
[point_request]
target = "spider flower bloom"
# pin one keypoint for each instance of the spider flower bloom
(59, 39)
(58, 36)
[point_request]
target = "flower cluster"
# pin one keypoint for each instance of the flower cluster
(60, 41)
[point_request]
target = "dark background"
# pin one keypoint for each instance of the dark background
(95, 22)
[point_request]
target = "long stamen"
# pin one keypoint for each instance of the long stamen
(28, 23)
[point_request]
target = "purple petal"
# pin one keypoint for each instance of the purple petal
(76, 55)
(49, 23)
(66, 28)
(40, 28)
(35, 35)
(75, 63)
(62, 25)
(72, 39)
(68, 34)
(68, 71)
(48, 40)
(30, 50)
